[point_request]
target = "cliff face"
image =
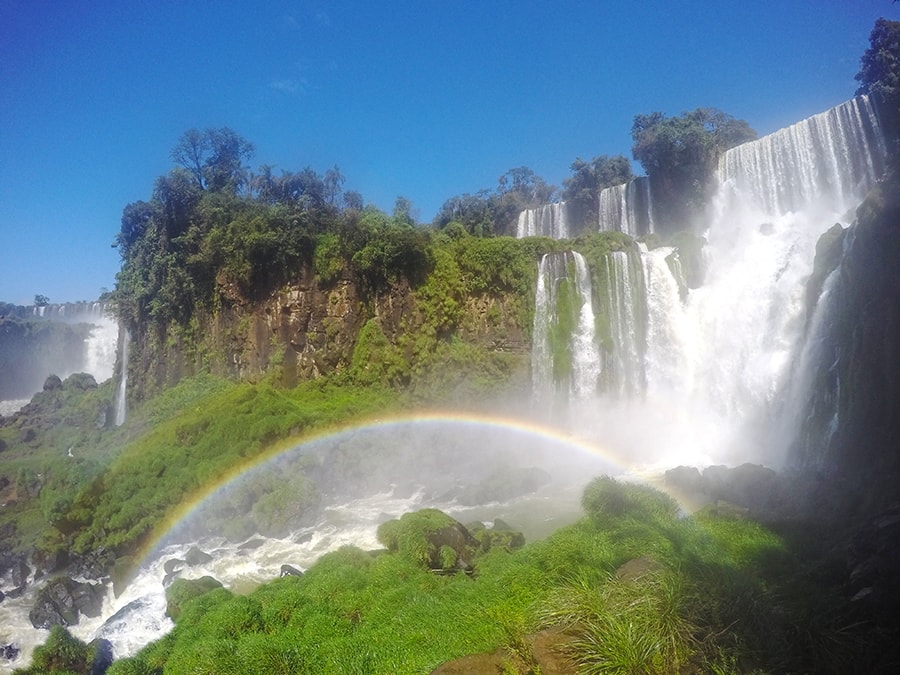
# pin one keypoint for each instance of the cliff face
(307, 330)
(852, 423)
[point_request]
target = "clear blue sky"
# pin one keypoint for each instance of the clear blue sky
(426, 99)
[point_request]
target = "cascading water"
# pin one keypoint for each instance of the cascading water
(715, 360)
(564, 327)
(122, 387)
(626, 208)
(548, 220)
(623, 293)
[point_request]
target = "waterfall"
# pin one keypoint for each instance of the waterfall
(704, 371)
(122, 387)
(626, 208)
(826, 161)
(624, 296)
(548, 220)
(567, 357)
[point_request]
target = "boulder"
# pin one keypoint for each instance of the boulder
(431, 538)
(196, 557)
(290, 571)
(123, 573)
(52, 383)
(9, 652)
(251, 544)
(173, 565)
(685, 478)
(62, 600)
(183, 590)
(749, 485)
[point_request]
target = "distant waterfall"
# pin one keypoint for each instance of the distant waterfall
(122, 387)
(548, 220)
(622, 208)
(99, 354)
(626, 208)
(707, 370)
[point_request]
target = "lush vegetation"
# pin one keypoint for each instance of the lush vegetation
(879, 74)
(680, 154)
(635, 588)
(582, 189)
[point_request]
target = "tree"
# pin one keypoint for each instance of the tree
(214, 158)
(879, 73)
(680, 154)
(191, 152)
(353, 200)
(879, 67)
(404, 212)
(582, 189)
(334, 181)
(224, 169)
(41, 300)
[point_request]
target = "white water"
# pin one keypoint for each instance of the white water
(122, 386)
(626, 208)
(717, 363)
(549, 220)
(585, 356)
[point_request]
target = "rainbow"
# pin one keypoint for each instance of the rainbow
(466, 420)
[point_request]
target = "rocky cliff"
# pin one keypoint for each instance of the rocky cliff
(851, 425)
(309, 329)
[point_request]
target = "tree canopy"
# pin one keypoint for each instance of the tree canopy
(680, 154)
(582, 189)
(879, 74)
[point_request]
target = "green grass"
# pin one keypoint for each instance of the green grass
(713, 598)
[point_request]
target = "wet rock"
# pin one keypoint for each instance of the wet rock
(103, 655)
(183, 590)
(61, 602)
(873, 560)
(19, 573)
(685, 478)
(290, 570)
(94, 565)
(752, 486)
(173, 565)
(52, 383)
(9, 652)
(123, 573)
(252, 544)
(196, 557)
(2, 596)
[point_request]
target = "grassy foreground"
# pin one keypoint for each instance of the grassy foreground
(634, 587)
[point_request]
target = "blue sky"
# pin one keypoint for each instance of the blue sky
(426, 99)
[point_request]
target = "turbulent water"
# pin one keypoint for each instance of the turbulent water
(701, 376)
